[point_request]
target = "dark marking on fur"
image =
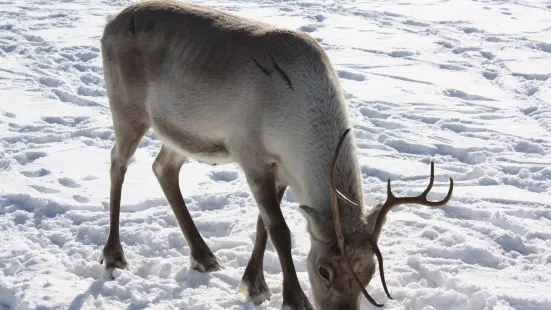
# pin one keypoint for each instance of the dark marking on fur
(261, 68)
(132, 25)
(282, 73)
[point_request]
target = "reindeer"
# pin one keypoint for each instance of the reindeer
(226, 89)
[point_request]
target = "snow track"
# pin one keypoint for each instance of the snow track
(464, 83)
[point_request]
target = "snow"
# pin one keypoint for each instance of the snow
(464, 83)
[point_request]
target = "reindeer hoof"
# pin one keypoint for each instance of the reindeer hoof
(296, 302)
(113, 257)
(253, 290)
(205, 262)
(302, 306)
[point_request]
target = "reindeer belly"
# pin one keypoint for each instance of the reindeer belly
(211, 150)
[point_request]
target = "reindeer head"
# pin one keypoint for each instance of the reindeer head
(341, 259)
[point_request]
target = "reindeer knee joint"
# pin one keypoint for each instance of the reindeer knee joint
(119, 163)
(118, 166)
(167, 164)
(163, 170)
(158, 168)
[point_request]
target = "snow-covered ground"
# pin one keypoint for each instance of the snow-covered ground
(464, 83)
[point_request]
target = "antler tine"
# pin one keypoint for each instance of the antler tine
(381, 267)
(335, 194)
(431, 181)
(393, 201)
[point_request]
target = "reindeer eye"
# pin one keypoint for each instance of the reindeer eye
(323, 272)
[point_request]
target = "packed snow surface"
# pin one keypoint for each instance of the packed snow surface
(466, 84)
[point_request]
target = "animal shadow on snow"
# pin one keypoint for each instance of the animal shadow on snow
(95, 290)
(188, 278)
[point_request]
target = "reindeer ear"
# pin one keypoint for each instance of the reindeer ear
(317, 222)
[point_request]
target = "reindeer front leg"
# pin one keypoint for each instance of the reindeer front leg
(263, 186)
(253, 285)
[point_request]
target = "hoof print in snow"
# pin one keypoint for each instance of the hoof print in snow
(67, 182)
(81, 199)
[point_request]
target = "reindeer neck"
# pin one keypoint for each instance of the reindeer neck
(348, 181)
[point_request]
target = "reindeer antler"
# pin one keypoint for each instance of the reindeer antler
(391, 201)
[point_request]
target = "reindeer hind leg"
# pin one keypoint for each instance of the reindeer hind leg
(130, 122)
(167, 167)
